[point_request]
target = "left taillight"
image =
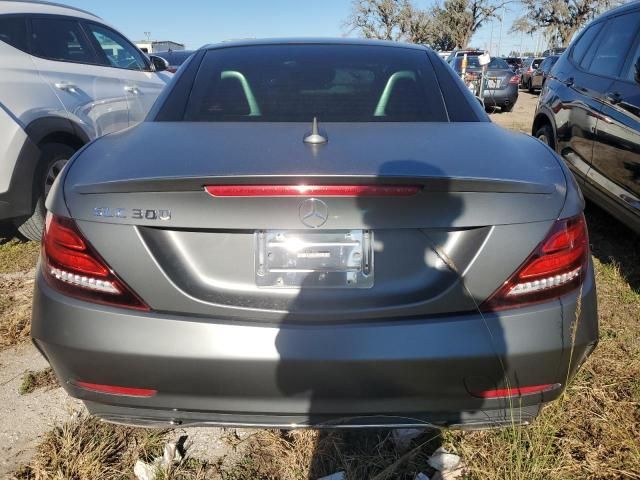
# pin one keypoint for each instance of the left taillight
(515, 79)
(73, 267)
(556, 267)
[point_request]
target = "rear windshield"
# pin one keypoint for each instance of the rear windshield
(335, 83)
(474, 63)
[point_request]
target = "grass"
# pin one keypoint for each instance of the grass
(17, 256)
(17, 259)
(85, 448)
(34, 380)
(15, 308)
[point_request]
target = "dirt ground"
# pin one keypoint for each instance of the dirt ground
(591, 435)
(521, 117)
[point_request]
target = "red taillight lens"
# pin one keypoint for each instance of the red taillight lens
(515, 79)
(312, 190)
(116, 390)
(516, 391)
(556, 267)
(71, 266)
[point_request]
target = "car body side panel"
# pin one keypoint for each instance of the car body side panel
(616, 157)
(12, 139)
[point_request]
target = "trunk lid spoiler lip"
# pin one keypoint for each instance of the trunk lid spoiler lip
(431, 184)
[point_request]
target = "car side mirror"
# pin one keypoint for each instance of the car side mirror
(159, 63)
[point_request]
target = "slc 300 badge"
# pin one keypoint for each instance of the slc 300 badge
(134, 213)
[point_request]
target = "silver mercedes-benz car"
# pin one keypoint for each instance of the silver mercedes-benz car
(315, 233)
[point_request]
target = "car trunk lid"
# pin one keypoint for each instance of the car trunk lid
(140, 197)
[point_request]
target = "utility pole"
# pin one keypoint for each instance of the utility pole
(500, 37)
(148, 35)
(491, 40)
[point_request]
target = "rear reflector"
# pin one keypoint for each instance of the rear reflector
(73, 267)
(115, 390)
(517, 391)
(312, 190)
(556, 267)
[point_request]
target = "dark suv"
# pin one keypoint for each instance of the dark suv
(589, 112)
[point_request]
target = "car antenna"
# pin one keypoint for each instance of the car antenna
(314, 137)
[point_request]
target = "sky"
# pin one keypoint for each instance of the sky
(198, 22)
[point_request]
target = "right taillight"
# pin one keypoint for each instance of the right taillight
(73, 267)
(556, 267)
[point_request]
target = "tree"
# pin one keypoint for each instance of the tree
(559, 19)
(379, 19)
(445, 26)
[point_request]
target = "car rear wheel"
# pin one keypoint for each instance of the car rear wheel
(545, 135)
(54, 158)
(508, 108)
(530, 87)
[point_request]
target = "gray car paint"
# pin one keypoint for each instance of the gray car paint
(222, 351)
(212, 371)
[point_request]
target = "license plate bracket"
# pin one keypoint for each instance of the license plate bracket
(332, 259)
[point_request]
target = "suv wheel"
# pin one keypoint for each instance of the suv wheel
(530, 87)
(54, 158)
(545, 135)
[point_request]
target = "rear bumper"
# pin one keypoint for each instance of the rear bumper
(503, 97)
(400, 372)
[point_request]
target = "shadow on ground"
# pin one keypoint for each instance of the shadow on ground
(614, 243)
(8, 232)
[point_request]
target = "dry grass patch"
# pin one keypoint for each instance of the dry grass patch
(16, 292)
(309, 454)
(34, 380)
(17, 256)
(88, 449)
(17, 260)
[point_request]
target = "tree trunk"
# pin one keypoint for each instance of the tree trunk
(567, 35)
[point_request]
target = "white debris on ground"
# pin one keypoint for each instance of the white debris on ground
(151, 471)
(448, 465)
(402, 437)
(421, 476)
(335, 476)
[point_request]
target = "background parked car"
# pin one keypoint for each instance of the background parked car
(501, 87)
(529, 66)
(539, 76)
(174, 58)
(68, 81)
(590, 112)
(469, 52)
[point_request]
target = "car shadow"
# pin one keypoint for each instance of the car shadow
(9, 232)
(613, 243)
(324, 376)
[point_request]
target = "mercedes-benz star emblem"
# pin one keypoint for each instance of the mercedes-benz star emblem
(313, 212)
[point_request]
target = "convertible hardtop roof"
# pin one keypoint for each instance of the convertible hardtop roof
(312, 41)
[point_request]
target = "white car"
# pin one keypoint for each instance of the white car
(66, 79)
